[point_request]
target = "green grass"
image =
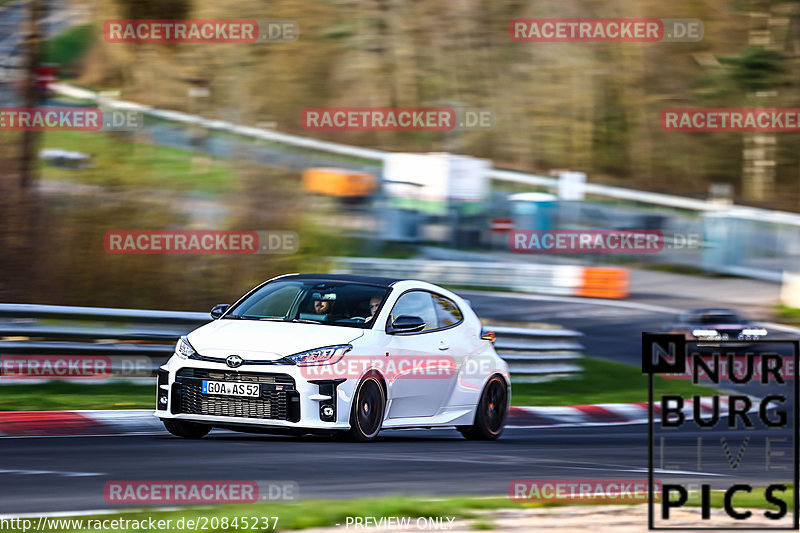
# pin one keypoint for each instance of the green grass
(68, 46)
(342, 245)
(119, 162)
(70, 395)
(315, 513)
(332, 159)
(482, 525)
(600, 382)
(790, 315)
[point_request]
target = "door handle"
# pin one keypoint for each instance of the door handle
(444, 346)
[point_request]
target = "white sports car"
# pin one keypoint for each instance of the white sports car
(344, 354)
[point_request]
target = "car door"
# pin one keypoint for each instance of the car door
(415, 390)
(461, 343)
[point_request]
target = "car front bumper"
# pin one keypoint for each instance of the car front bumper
(288, 399)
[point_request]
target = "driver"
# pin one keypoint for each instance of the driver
(323, 303)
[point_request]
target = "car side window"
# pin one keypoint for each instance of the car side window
(447, 311)
(417, 303)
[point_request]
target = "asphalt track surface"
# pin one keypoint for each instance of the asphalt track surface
(50, 474)
(69, 473)
(611, 332)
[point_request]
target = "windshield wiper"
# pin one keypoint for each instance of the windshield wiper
(302, 320)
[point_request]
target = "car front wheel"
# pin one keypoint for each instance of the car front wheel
(366, 413)
(187, 430)
(490, 415)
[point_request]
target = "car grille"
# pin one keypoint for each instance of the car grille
(273, 404)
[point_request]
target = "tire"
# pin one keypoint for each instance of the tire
(367, 411)
(491, 412)
(187, 430)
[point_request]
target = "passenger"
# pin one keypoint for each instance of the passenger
(374, 304)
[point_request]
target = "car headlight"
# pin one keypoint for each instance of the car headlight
(327, 355)
(755, 332)
(705, 333)
(184, 350)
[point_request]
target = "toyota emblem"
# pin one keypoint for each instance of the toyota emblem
(234, 361)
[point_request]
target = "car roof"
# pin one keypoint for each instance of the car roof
(711, 311)
(354, 278)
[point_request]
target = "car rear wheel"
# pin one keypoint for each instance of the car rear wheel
(366, 413)
(187, 430)
(490, 416)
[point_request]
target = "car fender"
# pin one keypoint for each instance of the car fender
(473, 375)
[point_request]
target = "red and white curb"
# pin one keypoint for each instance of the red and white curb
(69, 423)
(605, 413)
(142, 421)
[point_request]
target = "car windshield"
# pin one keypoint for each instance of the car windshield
(718, 318)
(313, 301)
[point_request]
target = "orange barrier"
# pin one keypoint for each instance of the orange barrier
(599, 282)
(339, 182)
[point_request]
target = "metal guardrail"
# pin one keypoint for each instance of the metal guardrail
(562, 280)
(542, 279)
(101, 313)
(535, 355)
(132, 343)
(619, 193)
(139, 341)
(219, 125)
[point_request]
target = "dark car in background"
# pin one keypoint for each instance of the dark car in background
(711, 323)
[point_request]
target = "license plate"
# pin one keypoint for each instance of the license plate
(225, 388)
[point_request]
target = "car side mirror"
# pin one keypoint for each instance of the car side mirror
(219, 310)
(406, 324)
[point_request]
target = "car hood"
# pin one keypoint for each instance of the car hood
(264, 340)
